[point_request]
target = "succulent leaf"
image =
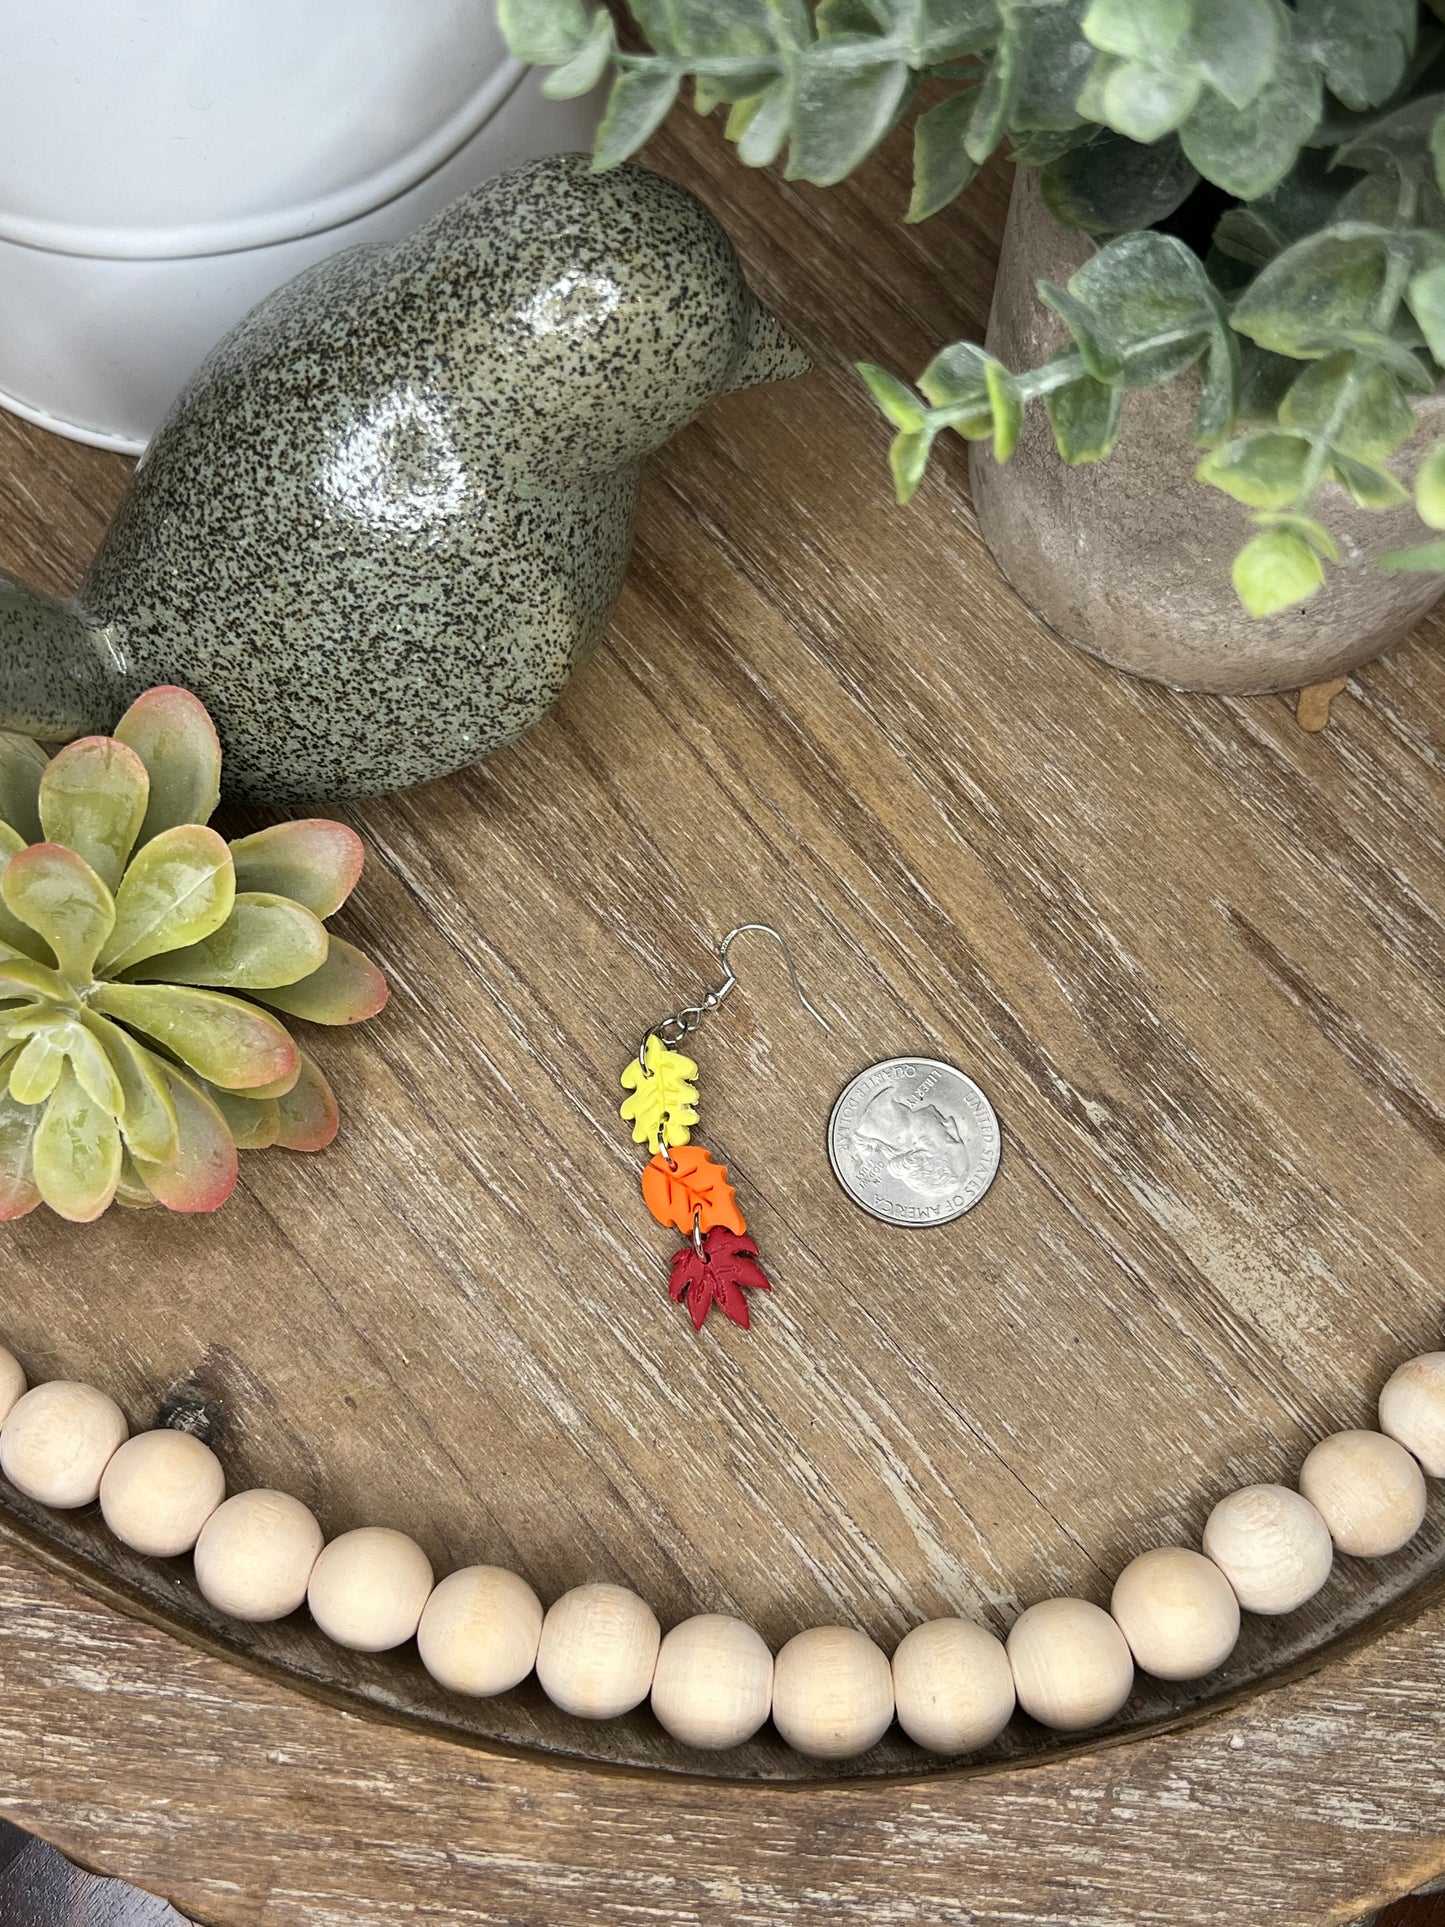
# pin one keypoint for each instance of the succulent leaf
(148, 1114)
(346, 989)
(266, 942)
(202, 1174)
(93, 799)
(281, 1086)
(62, 899)
(172, 733)
(22, 764)
(310, 1117)
(255, 1123)
(22, 978)
(19, 1192)
(223, 1039)
(35, 1073)
(131, 1189)
(314, 862)
(179, 889)
(15, 935)
(77, 1153)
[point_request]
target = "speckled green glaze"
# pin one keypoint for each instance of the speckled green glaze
(392, 511)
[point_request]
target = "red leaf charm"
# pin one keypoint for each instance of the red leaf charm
(719, 1274)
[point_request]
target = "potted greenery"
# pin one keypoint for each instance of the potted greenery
(1231, 212)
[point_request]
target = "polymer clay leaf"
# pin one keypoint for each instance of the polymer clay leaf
(179, 889)
(689, 1187)
(310, 1117)
(313, 861)
(720, 1274)
(22, 764)
(202, 1174)
(77, 1153)
(172, 733)
(663, 1104)
(223, 1039)
(148, 1115)
(93, 799)
(347, 989)
(266, 941)
(255, 1123)
(58, 895)
(19, 1192)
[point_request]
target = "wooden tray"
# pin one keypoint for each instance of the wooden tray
(1193, 954)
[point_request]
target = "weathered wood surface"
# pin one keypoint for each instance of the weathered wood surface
(1193, 954)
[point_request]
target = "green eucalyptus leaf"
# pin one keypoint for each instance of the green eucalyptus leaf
(908, 454)
(840, 115)
(1002, 83)
(1319, 288)
(147, 1113)
(173, 735)
(895, 398)
(1146, 103)
(581, 73)
(77, 1153)
(1151, 299)
(759, 124)
(1308, 530)
(1099, 356)
(1249, 150)
(954, 378)
(1437, 150)
(223, 1039)
(19, 1192)
(179, 889)
(1147, 30)
(58, 895)
(641, 98)
(1006, 401)
(22, 764)
(946, 30)
(942, 164)
(346, 988)
(1057, 64)
(267, 941)
(1084, 416)
(1372, 486)
(1426, 295)
(1427, 558)
(544, 33)
(1264, 470)
(1362, 45)
(1359, 407)
(1430, 489)
(1113, 184)
(93, 798)
(1276, 570)
(1219, 390)
(1234, 46)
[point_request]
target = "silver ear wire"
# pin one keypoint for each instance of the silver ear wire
(683, 1022)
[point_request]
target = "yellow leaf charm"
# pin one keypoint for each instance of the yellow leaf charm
(663, 1105)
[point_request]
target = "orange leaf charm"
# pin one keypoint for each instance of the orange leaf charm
(691, 1187)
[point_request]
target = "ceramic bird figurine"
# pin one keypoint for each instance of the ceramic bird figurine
(392, 510)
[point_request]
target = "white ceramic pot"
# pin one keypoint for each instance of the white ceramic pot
(166, 163)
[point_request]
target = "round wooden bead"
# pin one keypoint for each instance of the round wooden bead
(480, 1630)
(953, 1686)
(598, 1651)
(1071, 1665)
(1367, 1489)
(832, 1693)
(368, 1589)
(1412, 1410)
(58, 1440)
(1177, 1611)
(713, 1686)
(12, 1383)
(159, 1489)
(256, 1553)
(1271, 1545)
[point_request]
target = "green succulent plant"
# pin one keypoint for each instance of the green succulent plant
(138, 953)
(1299, 143)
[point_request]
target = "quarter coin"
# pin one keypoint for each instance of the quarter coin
(914, 1141)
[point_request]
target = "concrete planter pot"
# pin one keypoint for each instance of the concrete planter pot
(1129, 558)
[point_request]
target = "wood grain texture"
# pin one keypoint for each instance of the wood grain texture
(1193, 954)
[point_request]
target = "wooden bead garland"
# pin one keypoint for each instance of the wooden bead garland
(1367, 1489)
(255, 1555)
(1271, 1545)
(368, 1589)
(158, 1491)
(1071, 1664)
(57, 1441)
(713, 1684)
(12, 1383)
(953, 1686)
(1178, 1612)
(480, 1630)
(832, 1693)
(1412, 1410)
(598, 1651)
